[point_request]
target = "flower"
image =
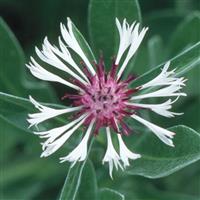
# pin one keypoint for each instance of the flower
(100, 98)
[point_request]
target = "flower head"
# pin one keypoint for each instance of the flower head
(100, 98)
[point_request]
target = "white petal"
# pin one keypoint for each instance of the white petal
(80, 152)
(136, 40)
(125, 153)
(46, 112)
(168, 91)
(56, 132)
(71, 41)
(165, 78)
(50, 148)
(67, 57)
(125, 32)
(164, 135)
(161, 109)
(49, 55)
(43, 74)
(111, 155)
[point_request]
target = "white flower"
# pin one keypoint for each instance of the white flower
(135, 41)
(125, 34)
(80, 152)
(46, 112)
(161, 109)
(165, 78)
(111, 155)
(51, 147)
(50, 54)
(125, 153)
(45, 75)
(54, 133)
(100, 99)
(72, 42)
(165, 135)
(169, 91)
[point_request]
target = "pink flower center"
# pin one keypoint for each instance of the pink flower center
(104, 99)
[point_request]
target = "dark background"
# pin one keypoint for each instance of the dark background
(31, 20)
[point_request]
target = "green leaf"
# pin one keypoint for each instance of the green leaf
(186, 34)
(15, 110)
(11, 57)
(161, 21)
(13, 79)
(80, 183)
(147, 57)
(22, 169)
(8, 134)
(159, 160)
(83, 44)
(18, 192)
(187, 179)
(184, 62)
(167, 196)
(187, 7)
(102, 28)
(153, 191)
(106, 193)
(88, 183)
(155, 47)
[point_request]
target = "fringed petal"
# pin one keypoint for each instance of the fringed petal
(136, 39)
(71, 41)
(161, 109)
(125, 153)
(46, 112)
(50, 148)
(80, 152)
(41, 73)
(111, 156)
(164, 135)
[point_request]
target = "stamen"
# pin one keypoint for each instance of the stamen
(81, 85)
(87, 72)
(130, 79)
(71, 96)
(129, 92)
(105, 99)
(117, 90)
(114, 125)
(113, 69)
(97, 127)
(89, 119)
(108, 90)
(125, 128)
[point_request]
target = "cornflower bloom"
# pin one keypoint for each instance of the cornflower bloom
(100, 98)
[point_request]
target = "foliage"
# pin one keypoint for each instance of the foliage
(174, 35)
